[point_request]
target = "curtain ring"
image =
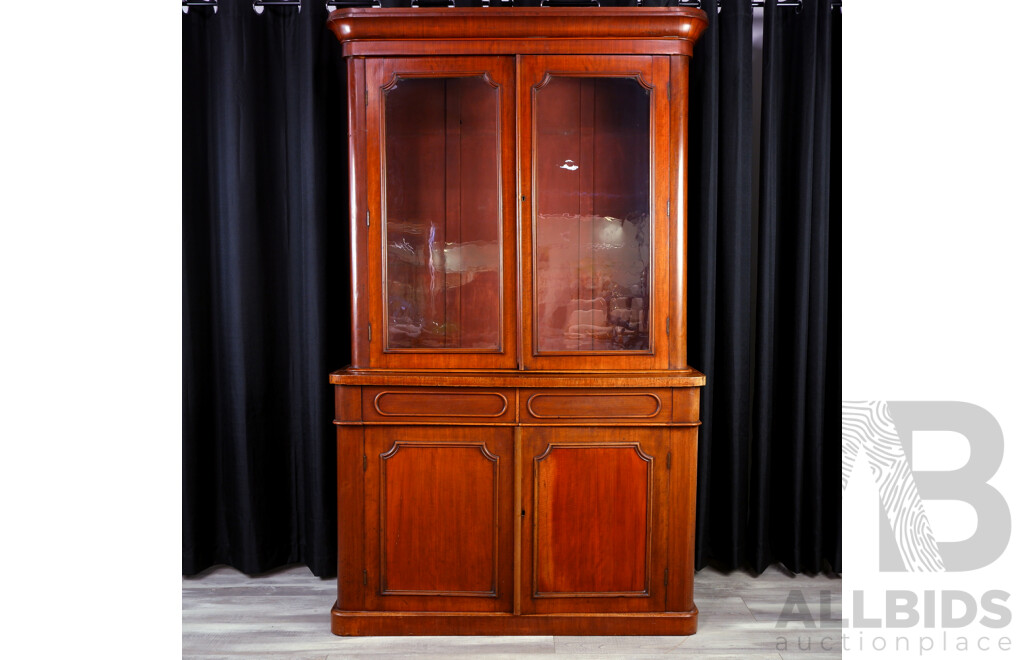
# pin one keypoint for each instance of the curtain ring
(185, 4)
(259, 5)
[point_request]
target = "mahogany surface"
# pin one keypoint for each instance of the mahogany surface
(595, 502)
(517, 30)
(553, 406)
(382, 76)
(438, 530)
(500, 623)
(517, 433)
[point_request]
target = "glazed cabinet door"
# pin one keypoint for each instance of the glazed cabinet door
(594, 510)
(441, 212)
(594, 174)
(438, 516)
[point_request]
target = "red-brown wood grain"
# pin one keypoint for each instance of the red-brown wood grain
(357, 209)
(514, 30)
(439, 500)
(510, 378)
(594, 530)
(591, 506)
(604, 406)
(438, 507)
(682, 528)
(686, 405)
(679, 122)
(462, 623)
(535, 72)
(381, 76)
(446, 405)
(351, 530)
(348, 404)
(509, 486)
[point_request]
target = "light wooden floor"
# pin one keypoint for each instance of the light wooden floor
(285, 614)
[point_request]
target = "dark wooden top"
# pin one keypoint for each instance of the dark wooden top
(368, 31)
(511, 378)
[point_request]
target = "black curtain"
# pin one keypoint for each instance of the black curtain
(760, 323)
(266, 287)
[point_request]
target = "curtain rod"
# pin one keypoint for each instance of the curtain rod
(258, 5)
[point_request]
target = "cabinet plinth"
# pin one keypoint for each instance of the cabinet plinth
(517, 434)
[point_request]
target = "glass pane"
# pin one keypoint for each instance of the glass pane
(443, 258)
(592, 183)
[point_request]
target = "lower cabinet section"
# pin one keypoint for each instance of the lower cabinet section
(594, 533)
(515, 529)
(438, 518)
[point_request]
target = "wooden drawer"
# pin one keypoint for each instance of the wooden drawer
(586, 406)
(446, 405)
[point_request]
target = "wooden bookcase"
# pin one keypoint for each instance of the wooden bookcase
(517, 433)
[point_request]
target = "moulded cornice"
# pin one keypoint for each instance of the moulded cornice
(504, 25)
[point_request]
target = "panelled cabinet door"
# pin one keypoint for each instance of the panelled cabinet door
(441, 186)
(439, 512)
(594, 137)
(594, 519)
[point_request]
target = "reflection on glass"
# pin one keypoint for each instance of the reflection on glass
(592, 186)
(443, 258)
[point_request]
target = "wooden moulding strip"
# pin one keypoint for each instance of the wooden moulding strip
(503, 623)
(606, 23)
(455, 378)
(518, 529)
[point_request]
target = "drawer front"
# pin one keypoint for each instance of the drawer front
(446, 405)
(587, 406)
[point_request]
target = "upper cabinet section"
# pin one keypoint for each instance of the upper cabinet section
(593, 136)
(440, 152)
(592, 214)
(442, 214)
(517, 188)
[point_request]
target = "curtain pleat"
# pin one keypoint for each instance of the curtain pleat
(265, 308)
(265, 292)
(761, 326)
(721, 222)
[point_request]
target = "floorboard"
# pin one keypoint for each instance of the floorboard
(286, 614)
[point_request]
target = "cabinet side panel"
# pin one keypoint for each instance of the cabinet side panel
(677, 240)
(350, 517)
(358, 210)
(661, 309)
(347, 403)
(686, 405)
(683, 485)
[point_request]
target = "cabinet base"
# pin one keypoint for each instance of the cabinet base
(500, 623)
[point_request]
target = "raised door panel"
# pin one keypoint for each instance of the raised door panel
(441, 212)
(438, 518)
(594, 164)
(594, 530)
